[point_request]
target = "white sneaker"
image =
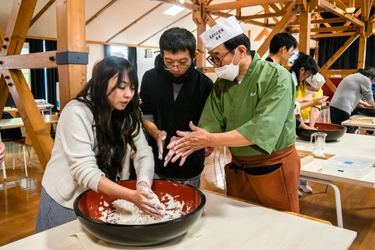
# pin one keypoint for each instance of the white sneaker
(305, 188)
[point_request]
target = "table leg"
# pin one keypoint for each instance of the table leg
(337, 196)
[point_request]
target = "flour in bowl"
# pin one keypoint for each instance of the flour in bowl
(126, 212)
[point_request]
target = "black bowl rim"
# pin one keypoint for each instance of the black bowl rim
(81, 214)
(323, 130)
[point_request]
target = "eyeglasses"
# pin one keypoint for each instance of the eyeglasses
(217, 60)
(180, 66)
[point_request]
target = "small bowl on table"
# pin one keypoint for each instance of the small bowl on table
(87, 206)
(334, 132)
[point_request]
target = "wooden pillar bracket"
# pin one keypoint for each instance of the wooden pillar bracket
(72, 57)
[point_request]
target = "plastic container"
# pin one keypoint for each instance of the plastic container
(348, 166)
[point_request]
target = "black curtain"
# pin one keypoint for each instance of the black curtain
(132, 57)
(370, 52)
(36, 75)
(52, 77)
(107, 50)
(349, 59)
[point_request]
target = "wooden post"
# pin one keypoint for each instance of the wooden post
(71, 37)
(13, 81)
(304, 30)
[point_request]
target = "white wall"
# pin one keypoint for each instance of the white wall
(96, 53)
(144, 63)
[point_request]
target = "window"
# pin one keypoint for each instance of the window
(26, 72)
(121, 51)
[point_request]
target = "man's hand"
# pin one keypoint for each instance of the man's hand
(171, 153)
(162, 135)
(188, 143)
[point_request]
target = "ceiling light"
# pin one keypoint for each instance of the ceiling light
(350, 10)
(174, 10)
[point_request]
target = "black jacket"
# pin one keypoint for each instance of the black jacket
(169, 115)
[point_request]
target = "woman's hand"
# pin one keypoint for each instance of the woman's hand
(320, 101)
(145, 200)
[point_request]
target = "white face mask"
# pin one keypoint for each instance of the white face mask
(309, 92)
(230, 71)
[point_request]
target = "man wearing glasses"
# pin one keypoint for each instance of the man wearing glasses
(250, 110)
(174, 93)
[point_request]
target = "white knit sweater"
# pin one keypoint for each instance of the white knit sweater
(72, 168)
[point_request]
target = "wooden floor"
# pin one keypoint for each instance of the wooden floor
(19, 197)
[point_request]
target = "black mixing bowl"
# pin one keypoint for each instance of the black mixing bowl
(333, 131)
(87, 207)
(366, 112)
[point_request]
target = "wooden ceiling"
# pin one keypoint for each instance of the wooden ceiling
(139, 23)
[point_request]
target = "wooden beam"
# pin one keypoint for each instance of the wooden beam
(339, 12)
(304, 31)
(264, 33)
(18, 25)
(71, 36)
(30, 61)
(41, 12)
(340, 51)
(201, 58)
(341, 72)
(30, 114)
(240, 4)
(259, 16)
(330, 84)
(226, 14)
(100, 11)
(4, 91)
(314, 36)
(2, 36)
(290, 10)
(327, 29)
(321, 21)
(362, 49)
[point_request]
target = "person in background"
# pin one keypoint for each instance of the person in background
(281, 47)
(311, 88)
(303, 67)
(2, 152)
(349, 92)
(250, 110)
(174, 93)
(98, 132)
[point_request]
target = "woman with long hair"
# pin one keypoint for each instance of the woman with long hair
(99, 132)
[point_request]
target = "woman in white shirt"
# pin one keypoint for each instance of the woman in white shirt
(98, 133)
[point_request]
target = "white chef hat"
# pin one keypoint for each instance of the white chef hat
(220, 33)
(316, 81)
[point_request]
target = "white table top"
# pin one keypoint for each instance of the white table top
(356, 123)
(17, 122)
(225, 224)
(349, 144)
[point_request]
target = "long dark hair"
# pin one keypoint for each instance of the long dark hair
(114, 129)
(304, 61)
